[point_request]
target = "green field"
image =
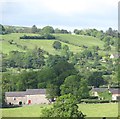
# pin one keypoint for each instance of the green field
(30, 44)
(90, 110)
(81, 40)
(75, 44)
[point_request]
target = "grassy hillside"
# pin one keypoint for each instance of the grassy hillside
(75, 43)
(81, 40)
(91, 110)
(19, 44)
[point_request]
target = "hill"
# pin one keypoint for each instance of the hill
(75, 42)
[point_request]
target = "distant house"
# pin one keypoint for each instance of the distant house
(115, 94)
(114, 91)
(30, 96)
(112, 56)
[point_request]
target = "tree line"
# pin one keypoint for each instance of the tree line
(33, 29)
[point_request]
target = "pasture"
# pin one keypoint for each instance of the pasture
(90, 110)
(19, 44)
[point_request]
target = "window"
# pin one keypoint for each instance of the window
(14, 98)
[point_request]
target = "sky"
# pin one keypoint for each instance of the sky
(67, 14)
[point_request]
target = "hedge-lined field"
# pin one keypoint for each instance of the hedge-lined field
(12, 42)
(91, 110)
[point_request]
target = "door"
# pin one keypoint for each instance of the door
(29, 101)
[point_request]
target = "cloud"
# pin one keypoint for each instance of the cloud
(99, 13)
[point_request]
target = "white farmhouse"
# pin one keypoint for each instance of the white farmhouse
(28, 97)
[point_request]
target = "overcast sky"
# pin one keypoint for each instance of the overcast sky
(69, 14)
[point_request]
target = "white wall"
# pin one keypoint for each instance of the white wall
(16, 101)
(114, 96)
(37, 99)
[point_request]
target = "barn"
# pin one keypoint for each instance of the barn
(28, 97)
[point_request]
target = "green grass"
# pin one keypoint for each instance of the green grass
(99, 110)
(90, 110)
(47, 44)
(81, 40)
(31, 44)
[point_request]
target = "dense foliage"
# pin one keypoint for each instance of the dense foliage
(46, 36)
(32, 59)
(65, 106)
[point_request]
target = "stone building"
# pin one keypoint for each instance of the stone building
(28, 97)
(115, 92)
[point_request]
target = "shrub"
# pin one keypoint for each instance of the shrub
(46, 36)
(94, 101)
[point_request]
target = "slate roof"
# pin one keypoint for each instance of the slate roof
(115, 91)
(15, 94)
(100, 89)
(112, 90)
(35, 91)
(27, 92)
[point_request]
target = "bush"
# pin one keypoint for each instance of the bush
(46, 36)
(94, 101)
(57, 45)
(92, 97)
(114, 100)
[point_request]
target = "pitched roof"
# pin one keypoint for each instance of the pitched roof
(115, 91)
(15, 94)
(100, 89)
(27, 92)
(35, 91)
(112, 90)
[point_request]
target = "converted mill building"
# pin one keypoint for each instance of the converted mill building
(28, 97)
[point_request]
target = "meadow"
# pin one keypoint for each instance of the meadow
(18, 44)
(75, 43)
(90, 110)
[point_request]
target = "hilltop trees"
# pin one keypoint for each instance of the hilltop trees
(34, 29)
(47, 30)
(2, 29)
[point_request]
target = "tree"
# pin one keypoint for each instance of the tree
(65, 47)
(65, 106)
(57, 30)
(76, 86)
(54, 59)
(109, 32)
(96, 79)
(52, 91)
(57, 45)
(47, 30)
(10, 29)
(34, 29)
(76, 31)
(65, 51)
(71, 85)
(2, 29)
